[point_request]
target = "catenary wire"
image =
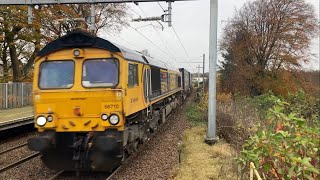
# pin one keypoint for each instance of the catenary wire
(175, 32)
(149, 40)
(160, 36)
(161, 6)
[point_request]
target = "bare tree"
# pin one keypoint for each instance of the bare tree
(20, 42)
(265, 37)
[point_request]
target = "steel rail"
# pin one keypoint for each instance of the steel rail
(56, 175)
(124, 163)
(114, 172)
(14, 164)
(13, 148)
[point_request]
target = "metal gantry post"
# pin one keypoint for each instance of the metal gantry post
(203, 69)
(6, 95)
(32, 3)
(30, 15)
(211, 136)
(22, 94)
(198, 76)
(93, 18)
(169, 13)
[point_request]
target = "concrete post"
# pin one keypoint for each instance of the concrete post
(211, 136)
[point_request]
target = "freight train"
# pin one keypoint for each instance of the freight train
(96, 102)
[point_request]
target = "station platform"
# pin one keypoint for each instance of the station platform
(11, 118)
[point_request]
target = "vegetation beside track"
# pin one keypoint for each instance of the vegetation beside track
(280, 135)
(286, 144)
(200, 161)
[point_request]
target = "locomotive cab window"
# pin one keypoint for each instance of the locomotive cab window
(133, 75)
(100, 73)
(56, 74)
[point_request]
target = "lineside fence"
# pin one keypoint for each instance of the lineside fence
(15, 95)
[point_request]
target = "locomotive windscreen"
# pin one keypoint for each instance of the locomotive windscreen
(100, 73)
(56, 74)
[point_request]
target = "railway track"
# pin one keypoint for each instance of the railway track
(13, 148)
(16, 163)
(114, 172)
(56, 175)
(106, 176)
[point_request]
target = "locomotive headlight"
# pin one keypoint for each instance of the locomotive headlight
(50, 118)
(76, 52)
(114, 119)
(41, 121)
(104, 117)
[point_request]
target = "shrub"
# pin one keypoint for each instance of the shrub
(305, 106)
(287, 149)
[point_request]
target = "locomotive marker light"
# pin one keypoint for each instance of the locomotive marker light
(41, 121)
(50, 118)
(114, 119)
(104, 117)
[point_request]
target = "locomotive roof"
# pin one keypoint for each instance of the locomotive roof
(80, 39)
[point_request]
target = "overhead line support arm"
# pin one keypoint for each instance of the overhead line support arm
(41, 2)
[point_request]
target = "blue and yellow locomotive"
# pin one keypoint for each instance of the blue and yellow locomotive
(95, 102)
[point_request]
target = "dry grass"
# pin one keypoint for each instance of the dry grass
(236, 121)
(201, 161)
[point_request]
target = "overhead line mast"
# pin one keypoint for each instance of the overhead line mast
(44, 2)
(213, 51)
(31, 3)
(160, 36)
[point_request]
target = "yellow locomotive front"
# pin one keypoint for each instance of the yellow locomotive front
(78, 94)
(95, 102)
(78, 104)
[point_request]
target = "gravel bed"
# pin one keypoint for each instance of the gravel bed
(30, 170)
(160, 155)
(9, 143)
(14, 155)
(33, 169)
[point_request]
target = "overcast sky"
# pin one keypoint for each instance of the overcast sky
(191, 22)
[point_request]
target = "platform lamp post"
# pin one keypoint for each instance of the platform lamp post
(213, 36)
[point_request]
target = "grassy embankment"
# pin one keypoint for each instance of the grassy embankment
(199, 160)
(279, 135)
